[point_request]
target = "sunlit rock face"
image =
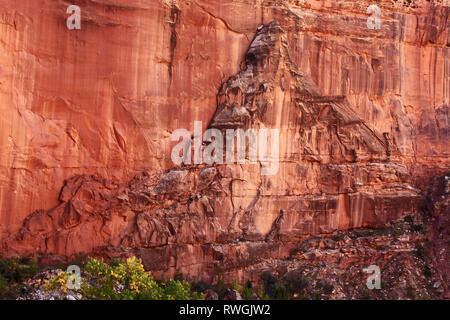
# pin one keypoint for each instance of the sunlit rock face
(87, 119)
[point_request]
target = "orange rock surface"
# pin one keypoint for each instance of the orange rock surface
(87, 118)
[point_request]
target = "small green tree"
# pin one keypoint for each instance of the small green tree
(247, 291)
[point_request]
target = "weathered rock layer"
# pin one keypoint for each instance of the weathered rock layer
(362, 114)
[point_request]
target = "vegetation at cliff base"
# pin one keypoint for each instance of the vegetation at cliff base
(13, 272)
(123, 280)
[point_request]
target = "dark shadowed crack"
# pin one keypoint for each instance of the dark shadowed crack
(174, 20)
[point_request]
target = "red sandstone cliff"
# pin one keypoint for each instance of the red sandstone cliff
(362, 114)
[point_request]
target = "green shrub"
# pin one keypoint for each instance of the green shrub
(236, 285)
(18, 269)
(269, 282)
(180, 290)
(57, 282)
(4, 286)
(280, 292)
(247, 291)
(220, 286)
(261, 292)
(124, 281)
(295, 284)
(13, 272)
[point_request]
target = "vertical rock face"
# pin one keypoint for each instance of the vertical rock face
(362, 116)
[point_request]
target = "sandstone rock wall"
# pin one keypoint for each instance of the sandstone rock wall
(363, 119)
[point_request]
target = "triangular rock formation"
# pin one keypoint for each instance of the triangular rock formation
(272, 92)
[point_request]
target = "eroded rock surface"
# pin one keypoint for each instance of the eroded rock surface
(362, 114)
